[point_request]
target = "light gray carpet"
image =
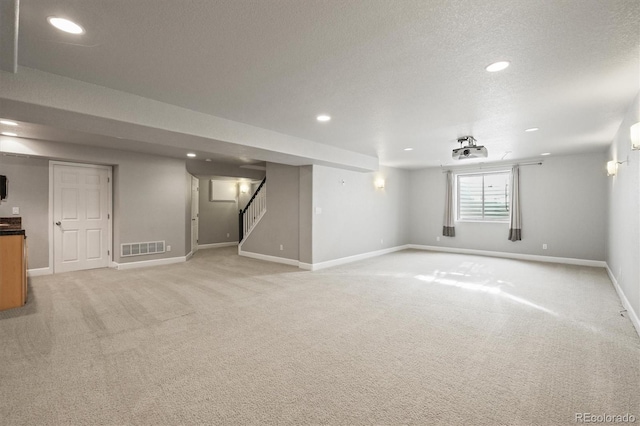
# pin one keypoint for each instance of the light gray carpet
(407, 338)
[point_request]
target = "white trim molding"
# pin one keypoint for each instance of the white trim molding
(39, 272)
(349, 259)
(362, 256)
(633, 315)
(268, 258)
(146, 263)
(519, 256)
(216, 245)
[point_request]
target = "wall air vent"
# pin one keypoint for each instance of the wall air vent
(141, 249)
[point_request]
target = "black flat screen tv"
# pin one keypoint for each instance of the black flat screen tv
(3, 187)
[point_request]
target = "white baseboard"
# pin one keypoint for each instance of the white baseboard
(147, 263)
(519, 256)
(349, 259)
(216, 245)
(39, 272)
(268, 258)
(189, 255)
(362, 256)
(633, 316)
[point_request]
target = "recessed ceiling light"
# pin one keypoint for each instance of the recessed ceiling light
(532, 129)
(8, 122)
(497, 66)
(546, 153)
(323, 118)
(191, 154)
(408, 149)
(65, 25)
(207, 159)
(9, 134)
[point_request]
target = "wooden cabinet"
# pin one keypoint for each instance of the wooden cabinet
(13, 270)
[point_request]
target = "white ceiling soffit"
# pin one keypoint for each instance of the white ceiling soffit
(50, 100)
(393, 74)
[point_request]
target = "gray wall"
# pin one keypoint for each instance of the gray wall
(217, 218)
(149, 195)
(280, 223)
(29, 190)
(562, 206)
(356, 216)
(305, 213)
(623, 243)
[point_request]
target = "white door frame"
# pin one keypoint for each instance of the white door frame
(195, 208)
(109, 206)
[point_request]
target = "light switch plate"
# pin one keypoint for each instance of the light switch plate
(16, 210)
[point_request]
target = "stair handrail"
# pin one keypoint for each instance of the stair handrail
(254, 195)
(242, 212)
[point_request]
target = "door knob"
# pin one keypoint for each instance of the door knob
(58, 223)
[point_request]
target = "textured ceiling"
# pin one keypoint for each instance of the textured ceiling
(57, 134)
(392, 73)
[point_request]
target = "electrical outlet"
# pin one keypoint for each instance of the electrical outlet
(227, 235)
(16, 210)
(544, 247)
(381, 241)
(168, 248)
(437, 238)
(281, 247)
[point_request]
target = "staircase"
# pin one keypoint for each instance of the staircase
(249, 217)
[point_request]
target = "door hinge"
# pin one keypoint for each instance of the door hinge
(108, 253)
(108, 216)
(108, 180)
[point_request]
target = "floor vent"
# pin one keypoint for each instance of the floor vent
(140, 249)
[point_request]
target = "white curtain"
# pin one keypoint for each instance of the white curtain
(449, 230)
(515, 217)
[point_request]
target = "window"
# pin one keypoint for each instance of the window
(483, 196)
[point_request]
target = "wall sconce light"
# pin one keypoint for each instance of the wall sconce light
(635, 136)
(244, 188)
(379, 183)
(612, 166)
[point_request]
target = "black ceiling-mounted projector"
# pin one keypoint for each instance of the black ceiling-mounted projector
(470, 150)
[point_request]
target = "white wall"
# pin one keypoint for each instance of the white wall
(356, 217)
(149, 194)
(623, 243)
(562, 206)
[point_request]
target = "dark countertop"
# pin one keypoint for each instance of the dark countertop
(4, 232)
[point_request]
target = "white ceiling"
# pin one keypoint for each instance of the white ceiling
(391, 73)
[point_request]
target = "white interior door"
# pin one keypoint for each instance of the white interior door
(195, 200)
(81, 217)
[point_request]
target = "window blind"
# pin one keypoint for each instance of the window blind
(483, 196)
